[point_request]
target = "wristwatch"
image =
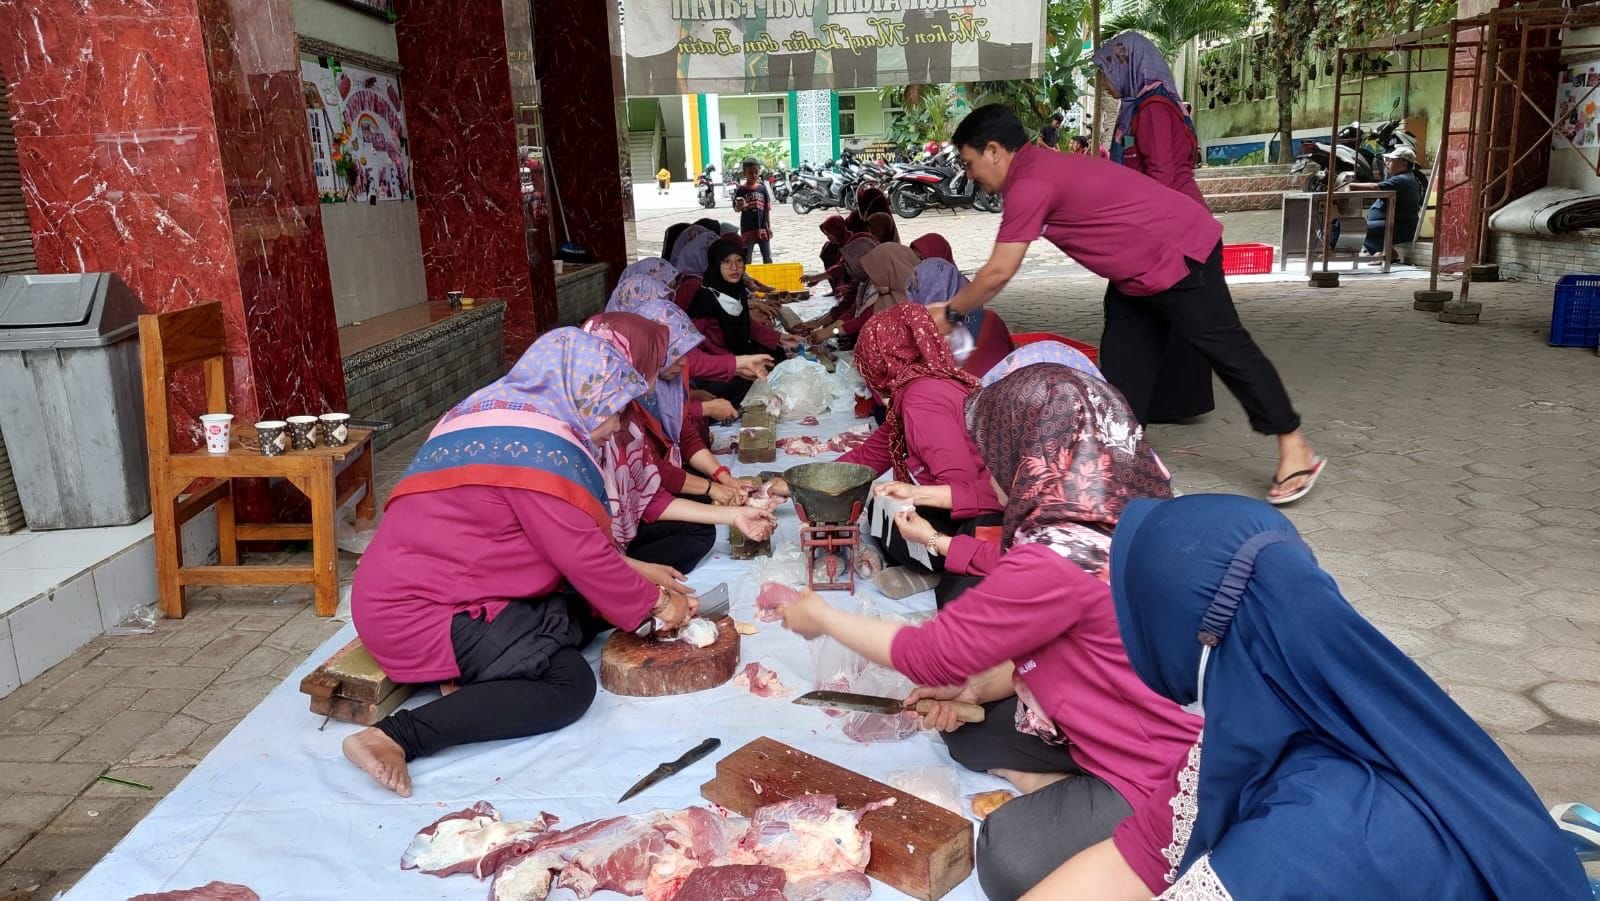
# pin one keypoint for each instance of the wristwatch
(933, 544)
(954, 316)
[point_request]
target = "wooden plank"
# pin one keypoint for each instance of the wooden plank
(245, 574)
(350, 673)
(646, 668)
(921, 849)
(274, 531)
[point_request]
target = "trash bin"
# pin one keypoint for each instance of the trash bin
(71, 401)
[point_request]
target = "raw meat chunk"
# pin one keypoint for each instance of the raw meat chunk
(735, 882)
(809, 836)
(698, 632)
(770, 601)
(802, 445)
(759, 681)
(849, 440)
(213, 891)
(809, 420)
(458, 842)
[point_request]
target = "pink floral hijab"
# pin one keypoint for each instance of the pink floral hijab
(630, 460)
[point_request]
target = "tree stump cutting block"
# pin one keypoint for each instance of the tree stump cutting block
(921, 849)
(646, 668)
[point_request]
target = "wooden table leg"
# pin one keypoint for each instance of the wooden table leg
(324, 539)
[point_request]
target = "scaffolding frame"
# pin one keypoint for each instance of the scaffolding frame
(1475, 49)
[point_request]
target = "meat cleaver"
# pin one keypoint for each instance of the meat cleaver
(844, 700)
(713, 605)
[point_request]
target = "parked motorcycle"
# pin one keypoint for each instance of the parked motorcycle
(778, 183)
(706, 190)
(940, 184)
(826, 188)
(1359, 149)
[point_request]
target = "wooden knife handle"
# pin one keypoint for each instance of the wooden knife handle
(966, 713)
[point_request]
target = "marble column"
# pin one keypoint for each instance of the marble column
(168, 143)
(578, 53)
(458, 102)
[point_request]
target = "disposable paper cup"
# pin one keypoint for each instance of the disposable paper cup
(334, 429)
(272, 436)
(302, 432)
(218, 428)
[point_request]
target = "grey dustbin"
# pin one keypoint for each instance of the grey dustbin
(71, 404)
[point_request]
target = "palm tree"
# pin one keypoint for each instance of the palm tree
(1173, 23)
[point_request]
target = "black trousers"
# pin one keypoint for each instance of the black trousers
(927, 63)
(680, 545)
(522, 674)
(855, 69)
(1198, 311)
(654, 74)
(1005, 62)
(897, 551)
(1028, 838)
(790, 71)
(766, 250)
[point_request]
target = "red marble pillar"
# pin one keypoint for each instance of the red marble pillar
(167, 143)
(578, 49)
(463, 144)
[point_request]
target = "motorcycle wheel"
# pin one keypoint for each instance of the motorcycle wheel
(804, 202)
(906, 204)
(708, 201)
(988, 203)
(1314, 183)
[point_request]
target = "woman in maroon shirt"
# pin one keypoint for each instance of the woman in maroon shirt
(936, 281)
(924, 439)
(494, 554)
(1036, 643)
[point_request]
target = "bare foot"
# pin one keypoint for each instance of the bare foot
(381, 758)
(1294, 455)
(1028, 783)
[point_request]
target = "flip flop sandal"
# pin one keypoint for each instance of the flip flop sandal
(1310, 476)
(1581, 826)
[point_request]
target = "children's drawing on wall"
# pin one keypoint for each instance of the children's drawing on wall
(358, 132)
(1578, 107)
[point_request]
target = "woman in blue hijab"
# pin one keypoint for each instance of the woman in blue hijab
(1332, 766)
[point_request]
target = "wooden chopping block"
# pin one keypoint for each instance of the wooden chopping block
(352, 674)
(359, 712)
(646, 668)
(919, 848)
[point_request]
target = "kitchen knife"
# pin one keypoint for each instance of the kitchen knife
(690, 757)
(713, 604)
(844, 700)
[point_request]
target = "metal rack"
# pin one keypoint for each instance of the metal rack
(1487, 55)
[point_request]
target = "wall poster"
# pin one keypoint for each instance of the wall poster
(1578, 107)
(358, 132)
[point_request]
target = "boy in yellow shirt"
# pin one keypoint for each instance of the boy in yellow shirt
(663, 180)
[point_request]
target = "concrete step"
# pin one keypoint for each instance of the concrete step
(1246, 200)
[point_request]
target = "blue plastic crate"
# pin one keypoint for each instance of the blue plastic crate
(1575, 320)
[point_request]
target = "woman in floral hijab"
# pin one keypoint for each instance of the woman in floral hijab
(1036, 642)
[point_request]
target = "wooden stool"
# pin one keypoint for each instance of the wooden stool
(185, 484)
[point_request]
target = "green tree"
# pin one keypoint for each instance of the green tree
(1171, 24)
(1302, 33)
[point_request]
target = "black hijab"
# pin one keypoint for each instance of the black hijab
(705, 305)
(709, 223)
(671, 239)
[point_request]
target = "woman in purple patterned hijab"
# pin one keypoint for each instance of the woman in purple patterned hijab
(936, 281)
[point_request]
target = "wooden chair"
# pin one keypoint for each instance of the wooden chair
(185, 484)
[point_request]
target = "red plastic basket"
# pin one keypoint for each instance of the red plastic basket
(1088, 350)
(1246, 259)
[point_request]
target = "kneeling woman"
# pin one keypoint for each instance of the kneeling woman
(664, 536)
(907, 363)
(467, 581)
(936, 281)
(721, 311)
(1036, 642)
(1332, 766)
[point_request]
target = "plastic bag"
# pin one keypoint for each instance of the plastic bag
(142, 621)
(847, 386)
(802, 386)
(934, 784)
(840, 669)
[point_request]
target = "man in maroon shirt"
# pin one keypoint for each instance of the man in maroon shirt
(1161, 253)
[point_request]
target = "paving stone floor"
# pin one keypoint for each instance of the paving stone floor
(1460, 511)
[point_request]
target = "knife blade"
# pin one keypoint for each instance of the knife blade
(714, 603)
(689, 758)
(844, 700)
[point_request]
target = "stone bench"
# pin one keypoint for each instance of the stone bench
(409, 366)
